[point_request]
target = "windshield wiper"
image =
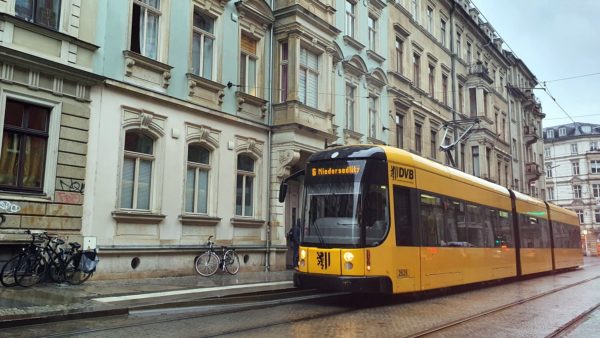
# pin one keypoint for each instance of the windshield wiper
(317, 230)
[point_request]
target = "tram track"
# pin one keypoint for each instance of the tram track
(442, 327)
(573, 323)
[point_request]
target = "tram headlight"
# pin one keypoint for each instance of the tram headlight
(348, 256)
(302, 254)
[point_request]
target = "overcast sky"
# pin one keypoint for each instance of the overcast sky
(556, 39)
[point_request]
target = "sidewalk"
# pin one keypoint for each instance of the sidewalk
(52, 302)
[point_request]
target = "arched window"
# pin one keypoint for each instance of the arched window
(244, 186)
(136, 178)
(196, 183)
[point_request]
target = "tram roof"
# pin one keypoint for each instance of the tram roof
(563, 215)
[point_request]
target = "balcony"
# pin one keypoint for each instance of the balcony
(480, 70)
(530, 135)
(533, 171)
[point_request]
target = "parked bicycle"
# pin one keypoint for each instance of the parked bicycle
(209, 262)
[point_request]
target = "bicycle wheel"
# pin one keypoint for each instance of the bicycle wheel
(207, 264)
(231, 261)
(31, 270)
(73, 274)
(8, 271)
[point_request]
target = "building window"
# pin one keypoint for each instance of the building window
(574, 149)
(469, 53)
(549, 170)
(145, 27)
(595, 166)
(596, 190)
(248, 62)
(372, 22)
(562, 132)
(416, 70)
(283, 78)
(308, 78)
(196, 183)
(373, 117)
(418, 144)
(433, 144)
(42, 12)
(349, 107)
(431, 76)
(445, 89)
(430, 19)
(414, 9)
(350, 18)
(462, 156)
(547, 152)
(443, 32)
(550, 193)
(459, 44)
(593, 145)
(473, 102)
(399, 55)
(399, 131)
(244, 186)
(579, 215)
(24, 147)
(576, 191)
(549, 133)
(475, 158)
(575, 167)
(202, 45)
(138, 162)
(461, 99)
(597, 215)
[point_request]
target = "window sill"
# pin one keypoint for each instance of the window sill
(375, 56)
(201, 220)
(350, 41)
(137, 217)
(247, 222)
(136, 65)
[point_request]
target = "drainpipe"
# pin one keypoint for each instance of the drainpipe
(269, 152)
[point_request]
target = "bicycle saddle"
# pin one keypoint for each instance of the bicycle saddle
(75, 245)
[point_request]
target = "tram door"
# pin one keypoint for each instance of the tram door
(292, 213)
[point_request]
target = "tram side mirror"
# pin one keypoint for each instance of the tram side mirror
(282, 191)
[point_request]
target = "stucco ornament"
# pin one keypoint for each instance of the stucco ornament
(287, 159)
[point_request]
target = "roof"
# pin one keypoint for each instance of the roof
(572, 130)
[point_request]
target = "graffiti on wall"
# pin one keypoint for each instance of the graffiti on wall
(10, 207)
(72, 185)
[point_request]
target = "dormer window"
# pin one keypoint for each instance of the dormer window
(586, 129)
(562, 132)
(550, 133)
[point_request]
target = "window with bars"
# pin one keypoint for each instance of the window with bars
(248, 65)
(308, 78)
(145, 26)
(245, 186)
(138, 163)
(42, 12)
(197, 179)
(24, 147)
(350, 107)
(203, 44)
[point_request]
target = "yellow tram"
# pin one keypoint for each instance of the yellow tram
(381, 219)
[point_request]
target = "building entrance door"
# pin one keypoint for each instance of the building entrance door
(292, 214)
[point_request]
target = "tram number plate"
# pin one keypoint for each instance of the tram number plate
(402, 273)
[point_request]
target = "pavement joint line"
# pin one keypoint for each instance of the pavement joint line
(186, 291)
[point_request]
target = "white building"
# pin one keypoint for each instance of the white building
(572, 166)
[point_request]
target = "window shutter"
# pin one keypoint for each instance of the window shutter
(248, 45)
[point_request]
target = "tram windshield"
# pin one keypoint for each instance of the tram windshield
(346, 203)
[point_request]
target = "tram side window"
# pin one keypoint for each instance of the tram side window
(561, 235)
(406, 234)
(432, 220)
(455, 220)
(531, 232)
(545, 232)
(503, 230)
(574, 236)
(478, 227)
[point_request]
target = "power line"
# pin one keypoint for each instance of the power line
(571, 77)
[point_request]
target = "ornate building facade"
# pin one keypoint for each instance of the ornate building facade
(194, 111)
(572, 167)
